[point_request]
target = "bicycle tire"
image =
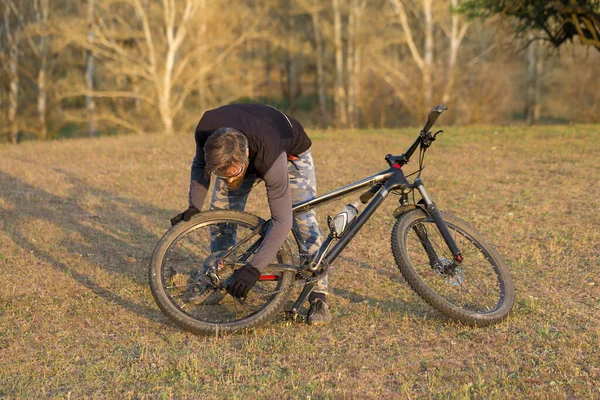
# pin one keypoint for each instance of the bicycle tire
(479, 291)
(177, 274)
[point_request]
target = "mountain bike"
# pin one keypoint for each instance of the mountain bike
(443, 259)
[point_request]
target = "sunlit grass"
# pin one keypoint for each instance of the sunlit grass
(79, 220)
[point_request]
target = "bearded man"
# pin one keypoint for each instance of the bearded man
(240, 144)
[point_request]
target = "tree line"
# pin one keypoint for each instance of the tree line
(85, 68)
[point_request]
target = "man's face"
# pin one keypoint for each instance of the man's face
(234, 176)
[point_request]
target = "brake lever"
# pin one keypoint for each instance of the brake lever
(429, 137)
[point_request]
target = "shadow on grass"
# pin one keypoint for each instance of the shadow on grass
(99, 235)
(387, 272)
(416, 309)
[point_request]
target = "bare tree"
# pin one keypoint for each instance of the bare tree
(339, 90)
(41, 11)
(533, 81)
(422, 56)
(90, 102)
(152, 42)
(12, 32)
(353, 59)
(458, 30)
(314, 10)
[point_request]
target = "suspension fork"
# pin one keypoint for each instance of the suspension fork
(426, 243)
(433, 211)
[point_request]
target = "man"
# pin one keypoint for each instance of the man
(240, 143)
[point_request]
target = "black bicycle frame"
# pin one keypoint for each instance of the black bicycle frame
(388, 180)
(392, 179)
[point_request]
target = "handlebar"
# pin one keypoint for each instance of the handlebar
(432, 117)
(425, 138)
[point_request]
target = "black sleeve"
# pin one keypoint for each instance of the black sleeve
(279, 196)
(198, 184)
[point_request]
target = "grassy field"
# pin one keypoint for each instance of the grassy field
(79, 220)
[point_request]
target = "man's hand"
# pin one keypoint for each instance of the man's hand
(242, 280)
(185, 216)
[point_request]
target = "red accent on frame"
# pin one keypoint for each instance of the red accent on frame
(397, 166)
(268, 278)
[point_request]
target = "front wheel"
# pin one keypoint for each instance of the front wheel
(192, 262)
(478, 291)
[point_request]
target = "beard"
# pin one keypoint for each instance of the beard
(236, 182)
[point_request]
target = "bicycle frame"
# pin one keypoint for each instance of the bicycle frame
(392, 179)
(389, 180)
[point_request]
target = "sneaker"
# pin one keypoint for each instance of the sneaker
(318, 313)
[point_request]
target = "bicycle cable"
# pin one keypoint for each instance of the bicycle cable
(417, 171)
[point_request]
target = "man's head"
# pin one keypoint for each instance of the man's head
(226, 156)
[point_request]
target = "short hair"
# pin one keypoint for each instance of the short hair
(223, 148)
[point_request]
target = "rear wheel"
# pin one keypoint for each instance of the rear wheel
(477, 291)
(192, 262)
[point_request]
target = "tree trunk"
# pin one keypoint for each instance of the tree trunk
(428, 54)
(421, 55)
(538, 84)
(202, 33)
(532, 106)
(249, 61)
(268, 68)
(356, 84)
(292, 82)
(352, 16)
(90, 103)
(176, 32)
(320, 73)
(12, 37)
(339, 92)
(42, 10)
(164, 103)
(353, 60)
(454, 43)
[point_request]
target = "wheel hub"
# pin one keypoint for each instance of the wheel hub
(449, 270)
(205, 284)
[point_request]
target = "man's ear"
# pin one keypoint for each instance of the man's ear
(247, 152)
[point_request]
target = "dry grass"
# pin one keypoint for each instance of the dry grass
(79, 219)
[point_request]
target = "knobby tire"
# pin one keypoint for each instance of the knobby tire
(479, 291)
(177, 279)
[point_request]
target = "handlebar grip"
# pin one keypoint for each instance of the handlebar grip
(433, 116)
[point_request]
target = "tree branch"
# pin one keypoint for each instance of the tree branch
(401, 14)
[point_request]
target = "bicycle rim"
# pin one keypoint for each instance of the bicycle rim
(477, 291)
(202, 297)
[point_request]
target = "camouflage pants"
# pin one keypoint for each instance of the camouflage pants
(303, 186)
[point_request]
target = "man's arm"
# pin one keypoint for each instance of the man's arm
(279, 196)
(198, 183)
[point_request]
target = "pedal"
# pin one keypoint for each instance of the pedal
(291, 316)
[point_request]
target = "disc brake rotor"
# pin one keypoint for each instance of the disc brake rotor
(448, 270)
